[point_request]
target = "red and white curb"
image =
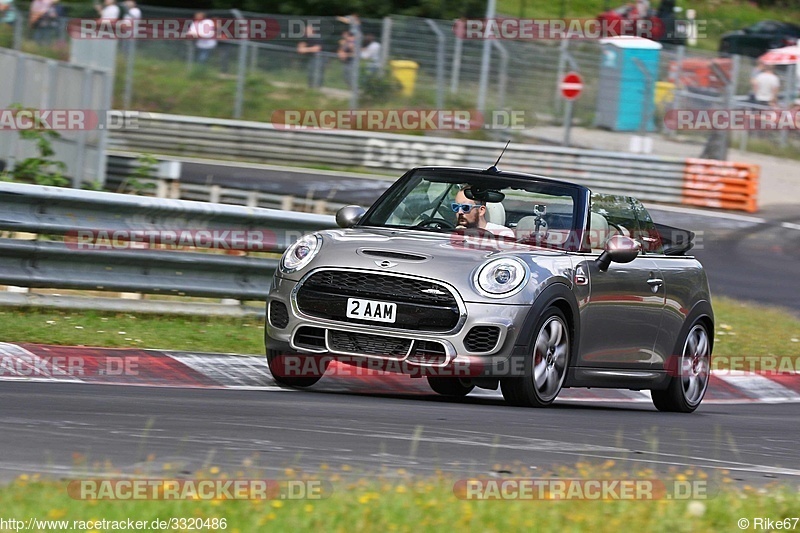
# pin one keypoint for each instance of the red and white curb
(134, 367)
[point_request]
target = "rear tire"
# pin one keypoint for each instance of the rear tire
(280, 370)
(450, 386)
(690, 375)
(545, 367)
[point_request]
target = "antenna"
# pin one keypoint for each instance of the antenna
(493, 168)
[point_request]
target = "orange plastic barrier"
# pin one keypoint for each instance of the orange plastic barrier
(721, 184)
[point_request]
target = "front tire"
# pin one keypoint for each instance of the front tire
(281, 368)
(546, 366)
(450, 386)
(690, 375)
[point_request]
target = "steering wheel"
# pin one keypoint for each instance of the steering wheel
(434, 222)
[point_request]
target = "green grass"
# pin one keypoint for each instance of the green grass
(113, 330)
(400, 502)
(168, 86)
(752, 330)
(742, 329)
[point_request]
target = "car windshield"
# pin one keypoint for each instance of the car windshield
(529, 211)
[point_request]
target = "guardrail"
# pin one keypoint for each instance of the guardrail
(126, 260)
(661, 179)
(122, 166)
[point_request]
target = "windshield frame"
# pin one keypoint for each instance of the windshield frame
(391, 198)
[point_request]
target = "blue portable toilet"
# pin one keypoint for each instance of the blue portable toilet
(628, 76)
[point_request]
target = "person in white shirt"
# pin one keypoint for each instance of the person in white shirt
(109, 11)
(204, 31)
(133, 11)
(472, 214)
(765, 87)
(371, 52)
(41, 19)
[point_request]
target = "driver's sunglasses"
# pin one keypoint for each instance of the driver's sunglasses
(456, 207)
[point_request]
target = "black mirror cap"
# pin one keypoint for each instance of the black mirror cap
(618, 249)
(484, 195)
(349, 216)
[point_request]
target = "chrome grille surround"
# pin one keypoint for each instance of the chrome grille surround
(462, 310)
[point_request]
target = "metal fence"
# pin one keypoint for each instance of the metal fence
(523, 75)
(40, 83)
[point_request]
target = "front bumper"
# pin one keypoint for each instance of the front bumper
(407, 351)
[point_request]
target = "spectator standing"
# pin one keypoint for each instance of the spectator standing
(132, 11)
(132, 14)
(203, 30)
(108, 11)
(311, 47)
(371, 53)
(346, 54)
(765, 87)
(355, 23)
(753, 73)
(8, 13)
(42, 19)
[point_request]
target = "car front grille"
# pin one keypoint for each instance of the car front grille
(428, 353)
(421, 304)
(364, 344)
(482, 338)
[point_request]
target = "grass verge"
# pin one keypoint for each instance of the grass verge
(122, 330)
(400, 502)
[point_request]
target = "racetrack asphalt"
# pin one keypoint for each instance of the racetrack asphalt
(142, 428)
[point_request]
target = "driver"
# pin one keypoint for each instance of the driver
(472, 214)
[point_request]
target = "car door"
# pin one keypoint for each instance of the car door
(621, 315)
(621, 308)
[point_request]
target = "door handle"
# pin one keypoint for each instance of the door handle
(655, 283)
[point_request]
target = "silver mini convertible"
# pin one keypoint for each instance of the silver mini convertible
(484, 278)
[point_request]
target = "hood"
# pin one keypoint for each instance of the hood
(448, 257)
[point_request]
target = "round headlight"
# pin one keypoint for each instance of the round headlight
(501, 277)
(300, 253)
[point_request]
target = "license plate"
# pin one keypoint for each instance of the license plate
(371, 310)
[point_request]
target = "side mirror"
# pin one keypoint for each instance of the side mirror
(349, 215)
(619, 249)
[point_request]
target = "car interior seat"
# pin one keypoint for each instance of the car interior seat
(598, 235)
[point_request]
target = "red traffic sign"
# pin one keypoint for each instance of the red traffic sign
(571, 86)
